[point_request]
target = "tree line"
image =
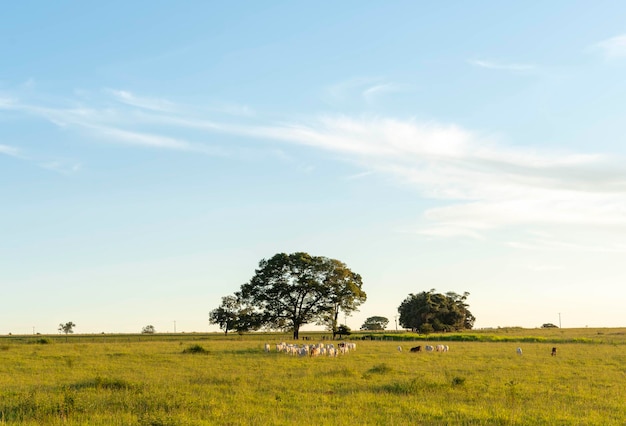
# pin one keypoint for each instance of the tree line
(288, 291)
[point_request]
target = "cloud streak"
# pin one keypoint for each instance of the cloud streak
(483, 185)
(501, 66)
(9, 150)
(480, 184)
(614, 47)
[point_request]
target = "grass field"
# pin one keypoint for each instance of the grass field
(157, 380)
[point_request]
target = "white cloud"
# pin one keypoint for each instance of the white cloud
(62, 167)
(554, 245)
(613, 47)
(141, 102)
(486, 185)
(9, 150)
(545, 268)
(371, 93)
(361, 88)
(502, 66)
(481, 185)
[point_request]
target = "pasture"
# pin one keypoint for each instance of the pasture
(193, 379)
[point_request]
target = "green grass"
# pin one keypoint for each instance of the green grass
(139, 380)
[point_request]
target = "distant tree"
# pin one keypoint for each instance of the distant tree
(148, 329)
(441, 312)
(375, 323)
(343, 330)
(290, 290)
(549, 325)
(67, 328)
(426, 328)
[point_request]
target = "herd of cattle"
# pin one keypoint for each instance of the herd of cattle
(428, 348)
(329, 349)
(319, 349)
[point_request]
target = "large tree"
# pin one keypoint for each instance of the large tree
(375, 323)
(291, 290)
(345, 293)
(430, 311)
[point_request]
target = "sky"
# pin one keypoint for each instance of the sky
(153, 152)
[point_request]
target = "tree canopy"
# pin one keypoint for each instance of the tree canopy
(375, 323)
(67, 328)
(288, 291)
(233, 314)
(429, 311)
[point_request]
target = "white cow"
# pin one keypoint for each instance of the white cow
(519, 351)
(429, 348)
(399, 348)
(267, 347)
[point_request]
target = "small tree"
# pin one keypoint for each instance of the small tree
(549, 325)
(343, 330)
(375, 324)
(67, 328)
(148, 329)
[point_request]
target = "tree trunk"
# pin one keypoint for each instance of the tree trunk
(296, 330)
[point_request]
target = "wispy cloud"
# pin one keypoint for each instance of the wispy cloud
(9, 150)
(62, 167)
(366, 89)
(371, 93)
(119, 126)
(614, 47)
(554, 245)
(482, 185)
(502, 66)
(479, 184)
(545, 268)
(141, 102)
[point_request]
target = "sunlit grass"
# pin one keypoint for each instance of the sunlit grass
(233, 381)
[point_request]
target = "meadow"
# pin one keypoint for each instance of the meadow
(210, 379)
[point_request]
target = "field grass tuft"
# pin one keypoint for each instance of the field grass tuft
(195, 349)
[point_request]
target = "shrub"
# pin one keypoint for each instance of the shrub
(195, 349)
(380, 369)
(458, 381)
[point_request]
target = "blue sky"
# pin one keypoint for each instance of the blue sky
(151, 153)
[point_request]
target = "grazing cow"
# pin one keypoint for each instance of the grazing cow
(315, 351)
(399, 348)
(416, 349)
(267, 347)
(439, 348)
(553, 351)
(429, 348)
(446, 348)
(519, 351)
